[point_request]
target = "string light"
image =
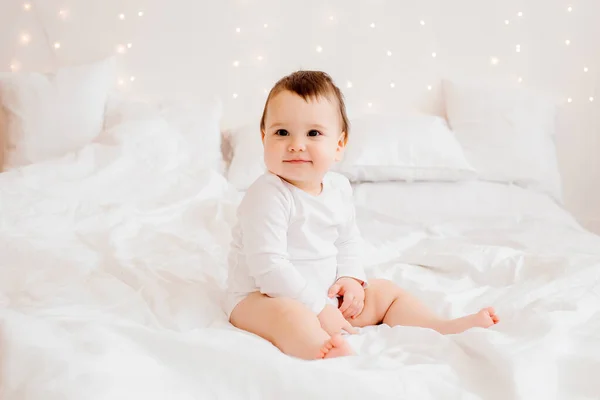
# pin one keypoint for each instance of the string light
(15, 66)
(25, 39)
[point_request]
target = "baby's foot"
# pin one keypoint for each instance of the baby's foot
(336, 346)
(483, 319)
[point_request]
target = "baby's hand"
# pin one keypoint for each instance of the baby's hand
(353, 293)
(333, 322)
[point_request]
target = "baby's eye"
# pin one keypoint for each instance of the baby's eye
(314, 133)
(282, 132)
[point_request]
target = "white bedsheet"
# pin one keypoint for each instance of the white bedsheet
(112, 263)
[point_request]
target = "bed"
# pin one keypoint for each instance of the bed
(113, 264)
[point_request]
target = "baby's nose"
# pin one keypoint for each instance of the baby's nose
(296, 145)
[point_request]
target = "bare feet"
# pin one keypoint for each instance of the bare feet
(483, 319)
(337, 346)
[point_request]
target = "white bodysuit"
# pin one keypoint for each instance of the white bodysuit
(289, 243)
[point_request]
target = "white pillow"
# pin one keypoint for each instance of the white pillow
(121, 108)
(403, 148)
(49, 115)
(247, 161)
(197, 121)
(380, 148)
(507, 133)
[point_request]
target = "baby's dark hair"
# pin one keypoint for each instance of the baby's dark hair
(309, 85)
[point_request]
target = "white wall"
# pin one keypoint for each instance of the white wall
(188, 48)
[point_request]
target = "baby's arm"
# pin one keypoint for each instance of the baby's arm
(264, 218)
(349, 244)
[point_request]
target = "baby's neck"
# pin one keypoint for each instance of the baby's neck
(313, 188)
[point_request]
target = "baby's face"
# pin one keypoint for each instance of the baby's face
(302, 139)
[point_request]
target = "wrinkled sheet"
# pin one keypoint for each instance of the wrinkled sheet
(113, 263)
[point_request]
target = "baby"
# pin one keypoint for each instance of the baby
(295, 273)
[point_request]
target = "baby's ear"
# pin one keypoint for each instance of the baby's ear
(341, 146)
(343, 140)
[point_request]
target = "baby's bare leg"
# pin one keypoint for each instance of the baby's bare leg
(386, 303)
(289, 325)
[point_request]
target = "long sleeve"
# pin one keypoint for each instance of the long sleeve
(264, 217)
(349, 244)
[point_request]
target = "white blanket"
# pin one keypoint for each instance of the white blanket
(112, 265)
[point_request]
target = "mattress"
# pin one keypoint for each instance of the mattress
(113, 264)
